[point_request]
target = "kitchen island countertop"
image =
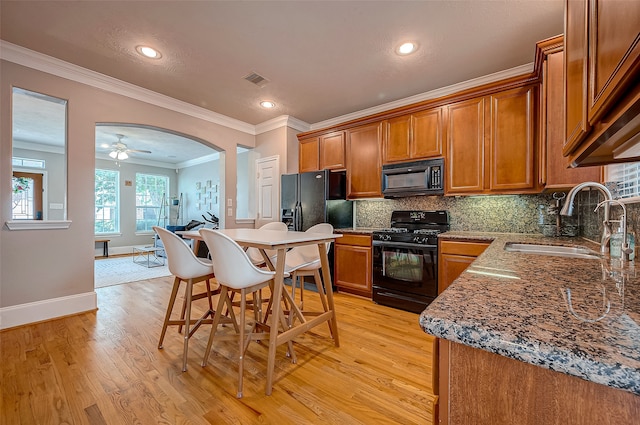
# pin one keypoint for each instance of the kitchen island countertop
(577, 316)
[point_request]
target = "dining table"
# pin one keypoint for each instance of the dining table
(280, 331)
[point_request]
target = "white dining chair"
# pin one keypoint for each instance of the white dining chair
(188, 268)
(305, 261)
(235, 273)
(254, 253)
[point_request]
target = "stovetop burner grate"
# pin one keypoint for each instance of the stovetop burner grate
(419, 227)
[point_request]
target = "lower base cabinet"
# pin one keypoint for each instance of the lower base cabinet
(455, 257)
(482, 388)
(353, 263)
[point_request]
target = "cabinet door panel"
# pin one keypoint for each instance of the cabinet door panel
(364, 159)
(426, 129)
(332, 151)
(309, 156)
(397, 142)
(559, 176)
(465, 147)
(353, 268)
(575, 70)
(512, 142)
(451, 266)
(614, 42)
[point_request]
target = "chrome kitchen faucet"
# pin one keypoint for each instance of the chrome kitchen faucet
(567, 210)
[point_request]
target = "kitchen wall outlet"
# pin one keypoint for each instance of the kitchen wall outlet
(230, 212)
(229, 202)
(53, 206)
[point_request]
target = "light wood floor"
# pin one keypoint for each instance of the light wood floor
(104, 368)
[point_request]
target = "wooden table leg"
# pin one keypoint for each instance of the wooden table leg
(278, 285)
(328, 285)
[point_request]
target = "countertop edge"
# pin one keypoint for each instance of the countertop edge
(539, 353)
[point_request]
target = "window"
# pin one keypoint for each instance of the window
(27, 162)
(150, 191)
(107, 218)
(22, 198)
(626, 177)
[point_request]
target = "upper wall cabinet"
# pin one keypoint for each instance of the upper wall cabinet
(492, 143)
(554, 172)
(464, 166)
(414, 136)
(332, 151)
(309, 155)
(602, 89)
(364, 161)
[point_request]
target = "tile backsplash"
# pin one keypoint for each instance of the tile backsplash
(499, 213)
(496, 213)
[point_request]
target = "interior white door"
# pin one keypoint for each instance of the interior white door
(268, 189)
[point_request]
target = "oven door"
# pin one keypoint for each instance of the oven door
(405, 275)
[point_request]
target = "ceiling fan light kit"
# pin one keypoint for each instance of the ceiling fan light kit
(118, 155)
(119, 150)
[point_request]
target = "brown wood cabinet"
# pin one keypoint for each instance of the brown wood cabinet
(414, 136)
(512, 141)
(364, 160)
(353, 264)
(602, 68)
(492, 143)
(454, 258)
(309, 155)
(332, 151)
(483, 388)
(464, 165)
(555, 174)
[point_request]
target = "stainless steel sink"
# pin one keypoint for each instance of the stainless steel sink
(552, 250)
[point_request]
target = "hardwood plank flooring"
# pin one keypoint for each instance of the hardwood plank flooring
(104, 367)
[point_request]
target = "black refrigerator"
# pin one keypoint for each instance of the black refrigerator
(315, 197)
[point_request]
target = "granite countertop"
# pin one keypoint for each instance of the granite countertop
(572, 315)
(357, 230)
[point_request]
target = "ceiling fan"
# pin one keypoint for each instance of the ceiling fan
(120, 151)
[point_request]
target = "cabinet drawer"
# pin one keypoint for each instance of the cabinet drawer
(463, 248)
(357, 240)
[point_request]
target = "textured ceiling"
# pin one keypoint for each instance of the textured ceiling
(323, 59)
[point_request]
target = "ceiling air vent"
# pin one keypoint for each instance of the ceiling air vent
(256, 79)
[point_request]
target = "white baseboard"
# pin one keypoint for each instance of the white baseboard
(38, 311)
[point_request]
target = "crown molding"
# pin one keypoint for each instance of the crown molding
(433, 94)
(41, 62)
(282, 121)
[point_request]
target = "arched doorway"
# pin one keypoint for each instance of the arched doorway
(147, 176)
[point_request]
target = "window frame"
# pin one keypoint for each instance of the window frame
(117, 212)
(148, 228)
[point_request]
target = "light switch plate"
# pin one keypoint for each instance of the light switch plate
(230, 212)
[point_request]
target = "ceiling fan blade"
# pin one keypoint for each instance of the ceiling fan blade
(138, 151)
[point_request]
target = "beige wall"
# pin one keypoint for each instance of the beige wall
(37, 265)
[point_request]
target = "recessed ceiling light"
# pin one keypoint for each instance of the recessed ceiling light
(406, 48)
(148, 52)
(267, 104)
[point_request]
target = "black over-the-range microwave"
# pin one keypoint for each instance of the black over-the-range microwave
(413, 178)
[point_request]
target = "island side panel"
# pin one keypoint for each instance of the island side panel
(478, 387)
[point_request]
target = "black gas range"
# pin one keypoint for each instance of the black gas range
(405, 259)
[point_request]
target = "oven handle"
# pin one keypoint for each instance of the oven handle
(409, 245)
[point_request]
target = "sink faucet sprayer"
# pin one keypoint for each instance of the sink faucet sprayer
(626, 249)
(567, 210)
